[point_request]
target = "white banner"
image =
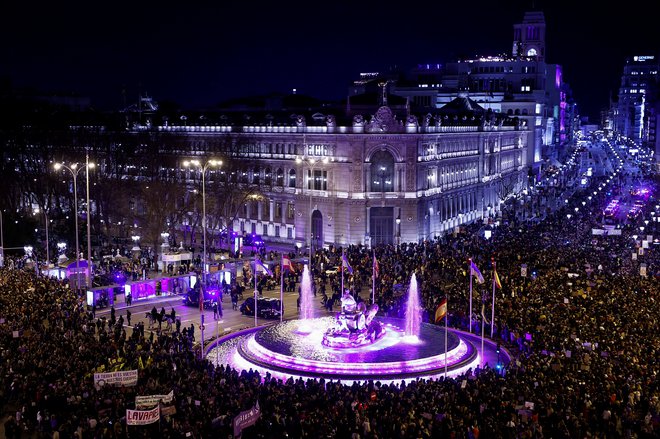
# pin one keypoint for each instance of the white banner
(143, 402)
(124, 378)
(142, 417)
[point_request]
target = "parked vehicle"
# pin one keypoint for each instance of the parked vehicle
(191, 298)
(268, 307)
(252, 242)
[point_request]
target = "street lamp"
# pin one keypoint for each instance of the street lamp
(74, 170)
(164, 247)
(36, 211)
(203, 168)
(398, 231)
(311, 183)
(2, 243)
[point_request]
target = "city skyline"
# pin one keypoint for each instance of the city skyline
(198, 58)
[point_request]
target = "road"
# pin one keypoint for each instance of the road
(231, 321)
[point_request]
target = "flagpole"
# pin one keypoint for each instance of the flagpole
(483, 325)
(492, 314)
(282, 287)
(470, 310)
(342, 272)
(446, 330)
(373, 279)
(256, 293)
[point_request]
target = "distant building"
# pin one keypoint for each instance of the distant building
(635, 114)
(519, 84)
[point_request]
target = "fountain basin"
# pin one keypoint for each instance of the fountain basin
(282, 350)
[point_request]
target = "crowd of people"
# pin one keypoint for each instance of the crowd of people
(579, 321)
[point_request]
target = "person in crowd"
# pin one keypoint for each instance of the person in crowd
(590, 368)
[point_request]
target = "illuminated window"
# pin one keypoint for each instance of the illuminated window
(292, 178)
(290, 210)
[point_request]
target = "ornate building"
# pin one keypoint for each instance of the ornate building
(381, 179)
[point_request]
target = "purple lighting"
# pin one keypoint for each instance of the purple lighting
(413, 310)
(284, 352)
(306, 296)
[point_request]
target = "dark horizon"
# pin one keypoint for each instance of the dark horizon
(198, 58)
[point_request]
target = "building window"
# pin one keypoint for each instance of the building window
(290, 210)
(292, 178)
(279, 180)
(255, 176)
(267, 177)
(264, 228)
(278, 210)
(265, 209)
(289, 233)
(277, 231)
(317, 181)
(382, 172)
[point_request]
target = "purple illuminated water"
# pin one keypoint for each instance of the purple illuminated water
(306, 296)
(413, 310)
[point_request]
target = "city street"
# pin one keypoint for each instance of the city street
(231, 321)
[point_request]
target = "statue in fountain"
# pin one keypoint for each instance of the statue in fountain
(354, 325)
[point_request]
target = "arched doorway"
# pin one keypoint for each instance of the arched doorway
(317, 230)
(381, 225)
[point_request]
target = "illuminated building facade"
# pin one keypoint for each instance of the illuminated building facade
(634, 115)
(521, 84)
(387, 177)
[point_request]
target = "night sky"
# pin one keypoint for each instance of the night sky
(200, 54)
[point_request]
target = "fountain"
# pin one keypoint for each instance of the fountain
(413, 310)
(306, 296)
(354, 325)
(355, 345)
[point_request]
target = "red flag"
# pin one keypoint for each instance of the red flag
(287, 264)
(441, 310)
(498, 284)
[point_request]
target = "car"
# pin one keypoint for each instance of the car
(268, 307)
(191, 298)
(252, 241)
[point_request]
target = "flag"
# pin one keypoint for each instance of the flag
(287, 264)
(345, 264)
(474, 270)
(376, 267)
(498, 284)
(483, 310)
(260, 265)
(441, 310)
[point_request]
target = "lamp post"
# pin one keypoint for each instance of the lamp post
(398, 231)
(88, 166)
(74, 170)
(203, 168)
(164, 247)
(311, 180)
(2, 243)
(36, 211)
